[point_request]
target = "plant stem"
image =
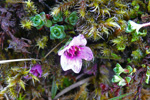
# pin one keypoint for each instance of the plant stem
(17, 60)
(145, 24)
(73, 86)
(53, 48)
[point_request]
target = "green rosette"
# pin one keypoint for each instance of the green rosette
(57, 32)
(72, 19)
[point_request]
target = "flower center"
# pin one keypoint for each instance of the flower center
(73, 51)
(35, 72)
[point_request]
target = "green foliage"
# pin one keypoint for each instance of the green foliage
(117, 78)
(48, 23)
(72, 18)
(57, 18)
(21, 97)
(121, 42)
(118, 69)
(30, 7)
(121, 96)
(128, 79)
(103, 23)
(39, 20)
(82, 94)
(134, 28)
(147, 75)
(12, 92)
(137, 4)
(54, 89)
(115, 56)
(148, 7)
(64, 82)
(26, 24)
(129, 68)
(41, 42)
(57, 32)
(137, 54)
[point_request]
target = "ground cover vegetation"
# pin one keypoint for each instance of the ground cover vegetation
(74, 49)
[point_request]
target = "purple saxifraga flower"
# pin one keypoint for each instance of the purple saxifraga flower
(36, 71)
(74, 52)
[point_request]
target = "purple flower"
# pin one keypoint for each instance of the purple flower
(35, 70)
(72, 54)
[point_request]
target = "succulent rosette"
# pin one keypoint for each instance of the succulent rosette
(37, 21)
(47, 22)
(57, 18)
(57, 32)
(40, 20)
(72, 19)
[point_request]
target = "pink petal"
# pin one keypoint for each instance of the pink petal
(76, 65)
(35, 74)
(86, 53)
(67, 63)
(78, 41)
(64, 61)
(60, 52)
(38, 68)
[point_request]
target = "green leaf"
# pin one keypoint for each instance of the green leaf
(57, 18)
(48, 23)
(121, 96)
(57, 32)
(43, 16)
(22, 84)
(122, 83)
(128, 79)
(66, 82)
(37, 21)
(21, 97)
(148, 73)
(118, 69)
(54, 89)
(72, 19)
(137, 54)
(129, 68)
(115, 56)
(34, 78)
(144, 33)
(116, 78)
(147, 79)
(121, 47)
(113, 24)
(135, 37)
(129, 29)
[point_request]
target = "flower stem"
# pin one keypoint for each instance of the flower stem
(145, 24)
(17, 60)
(53, 49)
